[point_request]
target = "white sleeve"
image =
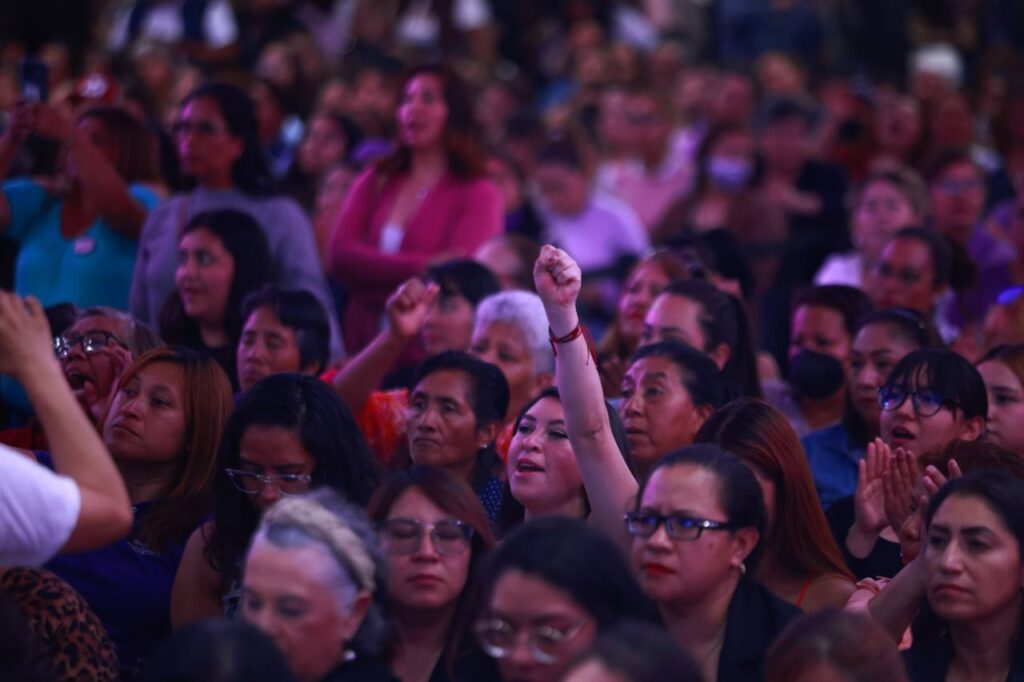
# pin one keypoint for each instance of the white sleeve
(38, 510)
(219, 26)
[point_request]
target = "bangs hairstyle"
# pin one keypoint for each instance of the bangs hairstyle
(452, 495)
(739, 493)
(945, 372)
(206, 396)
(309, 409)
(697, 372)
(575, 558)
(136, 148)
(461, 139)
(760, 435)
(244, 239)
(301, 312)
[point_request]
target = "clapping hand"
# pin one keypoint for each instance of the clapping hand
(870, 496)
(901, 475)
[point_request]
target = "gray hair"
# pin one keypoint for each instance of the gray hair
(352, 553)
(139, 336)
(524, 310)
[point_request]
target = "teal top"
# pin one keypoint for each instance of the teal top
(92, 269)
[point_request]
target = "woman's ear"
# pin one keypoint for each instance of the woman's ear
(972, 429)
(485, 435)
(351, 622)
(720, 354)
(744, 542)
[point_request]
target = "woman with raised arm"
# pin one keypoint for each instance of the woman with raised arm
(605, 474)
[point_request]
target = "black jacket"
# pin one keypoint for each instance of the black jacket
(755, 618)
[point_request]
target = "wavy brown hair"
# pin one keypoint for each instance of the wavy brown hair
(798, 534)
(454, 496)
(462, 140)
(186, 496)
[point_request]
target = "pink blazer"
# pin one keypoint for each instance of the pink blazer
(455, 218)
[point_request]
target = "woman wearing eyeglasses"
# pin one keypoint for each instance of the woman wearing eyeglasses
(550, 588)
(289, 433)
(697, 530)
(931, 399)
(434, 533)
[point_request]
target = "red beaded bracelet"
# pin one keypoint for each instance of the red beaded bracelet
(579, 331)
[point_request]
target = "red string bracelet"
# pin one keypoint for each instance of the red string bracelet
(579, 331)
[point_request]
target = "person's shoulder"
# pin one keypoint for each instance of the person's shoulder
(826, 438)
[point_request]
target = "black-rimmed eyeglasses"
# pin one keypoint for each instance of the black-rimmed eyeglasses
(91, 342)
(644, 524)
(926, 403)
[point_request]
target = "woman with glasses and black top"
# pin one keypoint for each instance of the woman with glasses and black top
(697, 529)
(289, 433)
(550, 588)
(434, 533)
(931, 399)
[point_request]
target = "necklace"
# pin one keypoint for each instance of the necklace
(716, 647)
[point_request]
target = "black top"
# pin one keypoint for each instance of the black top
(884, 559)
(473, 666)
(929, 661)
(755, 618)
(361, 670)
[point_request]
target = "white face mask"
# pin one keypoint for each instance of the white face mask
(729, 173)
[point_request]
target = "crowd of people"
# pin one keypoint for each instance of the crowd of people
(469, 340)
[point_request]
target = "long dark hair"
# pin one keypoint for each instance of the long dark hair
(250, 173)
(454, 496)
(244, 239)
(328, 432)
(488, 397)
(576, 558)
(762, 437)
(739, 493)
(462, 139)
(1004, 495)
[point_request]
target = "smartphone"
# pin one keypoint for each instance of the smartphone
(35, 78)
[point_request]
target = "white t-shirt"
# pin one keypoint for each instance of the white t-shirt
(38, 510)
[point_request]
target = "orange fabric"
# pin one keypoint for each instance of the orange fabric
(382, 421)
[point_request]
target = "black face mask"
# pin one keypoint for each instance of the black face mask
(815, 375)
